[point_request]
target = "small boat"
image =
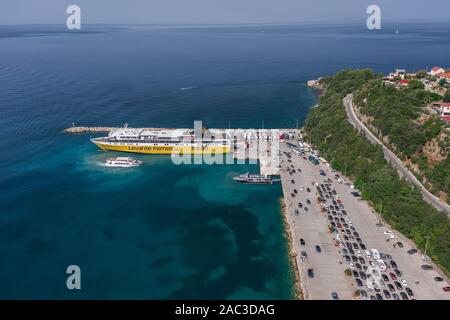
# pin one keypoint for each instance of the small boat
(122, 162)
(253, 179)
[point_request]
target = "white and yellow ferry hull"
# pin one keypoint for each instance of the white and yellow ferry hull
(164, 149)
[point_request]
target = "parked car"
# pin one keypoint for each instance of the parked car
(409, 292)
(427, 267)
(335, 296)
(302, 242)
(412, 251)
(318, 249)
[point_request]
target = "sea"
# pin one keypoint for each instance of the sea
(162, 231)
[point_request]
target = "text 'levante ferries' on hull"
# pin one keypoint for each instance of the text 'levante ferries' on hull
(161, 142)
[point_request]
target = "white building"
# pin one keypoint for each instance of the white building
(436, 70)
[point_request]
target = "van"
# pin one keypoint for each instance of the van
(375, 254)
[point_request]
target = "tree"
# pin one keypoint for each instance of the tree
(348, 272)
(422, 74)
(415, 84)
(442, 82)
(447, 96)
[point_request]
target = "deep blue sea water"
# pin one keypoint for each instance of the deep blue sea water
(161, 230)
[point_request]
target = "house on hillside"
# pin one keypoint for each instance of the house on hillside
(436, 70)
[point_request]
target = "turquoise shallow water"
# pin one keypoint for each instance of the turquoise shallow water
(160, 231)
(157, 231)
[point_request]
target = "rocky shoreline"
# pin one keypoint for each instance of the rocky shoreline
(298, 292)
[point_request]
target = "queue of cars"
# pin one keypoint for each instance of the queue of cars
(376, 274)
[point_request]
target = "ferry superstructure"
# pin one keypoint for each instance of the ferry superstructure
(180, 141)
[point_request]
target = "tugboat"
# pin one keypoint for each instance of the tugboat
(253, 179)
(122, 162)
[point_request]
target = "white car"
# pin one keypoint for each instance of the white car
(393, 236)
(372, 264)
(375, 254)
(351, 265)
(338, 237)
(404, 282)
(387, 232)
(358, 253)
(301, 187)
(381, 264)
(367, 252)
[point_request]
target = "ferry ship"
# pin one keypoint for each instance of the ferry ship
(160, 142)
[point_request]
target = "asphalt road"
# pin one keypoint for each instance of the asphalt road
(392, 158)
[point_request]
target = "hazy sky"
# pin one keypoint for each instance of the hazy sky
(218, 11)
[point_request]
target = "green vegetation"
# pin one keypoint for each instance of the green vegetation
(329, 131)
(348, 272)
(447, 96)
(401, 116)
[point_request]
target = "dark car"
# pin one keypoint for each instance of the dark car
(363, 294)
(355, 274)
(308, 190)
(304, 255)
(318, 249)
(379, 297)
(387, 294)
(347, 258)
(335, 296)
(295, 191)
(359, 282)
(404, 296)
(308, 201)
(391, 287)
(302, 242)
(398, 285)
(363, 247)
(373, 298)
(438, 279)
(395, 296)
(397, 272)
(300, 205)
(426, 267)
(358, 266)
(361, 260)
(362, 275)
(311, 273)
(412, 251)
(385, 278)
(409, 292)
(393, 264)
(400, 245)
